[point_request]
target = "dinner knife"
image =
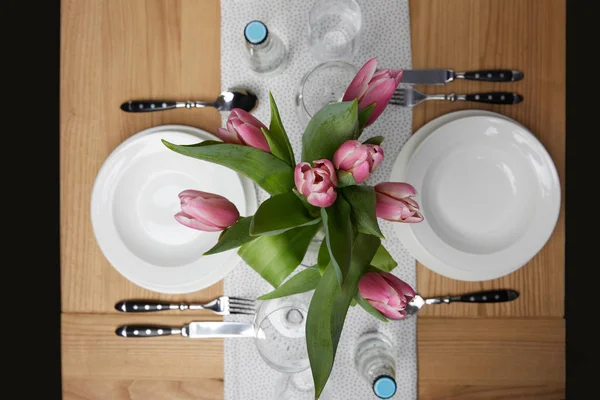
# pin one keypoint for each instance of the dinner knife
(196, 330)
(442, 76)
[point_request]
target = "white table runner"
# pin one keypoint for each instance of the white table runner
(387, 37)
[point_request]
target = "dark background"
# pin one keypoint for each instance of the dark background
(31, 183)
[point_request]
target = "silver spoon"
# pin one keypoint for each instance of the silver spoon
(491, 296)
(228, 100)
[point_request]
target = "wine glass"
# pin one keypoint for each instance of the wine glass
(324, 84)
(281, 342)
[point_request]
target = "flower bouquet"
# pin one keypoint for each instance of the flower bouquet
(324, 192)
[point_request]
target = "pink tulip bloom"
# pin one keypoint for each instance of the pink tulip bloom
(206, 211)
(317, 184)
(370, 86)
(394, 202)
(376, 156)
(358, 159)
(243, 128)
(386, 292)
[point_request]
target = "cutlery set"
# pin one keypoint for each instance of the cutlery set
(248, 101)
(412, 97)
(225, 305)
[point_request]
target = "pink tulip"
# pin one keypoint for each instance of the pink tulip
(317, 184)
(243, 128)
(206, 211)
(386, 292)
(394, 202)
(358, 159)
(370, 86)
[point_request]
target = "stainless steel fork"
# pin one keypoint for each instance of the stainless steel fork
(223, 305)
(411, 97)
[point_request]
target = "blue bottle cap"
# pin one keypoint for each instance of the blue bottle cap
(384, 387)
(256, 32)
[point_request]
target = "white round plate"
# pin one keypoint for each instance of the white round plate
(489, 193)
(134, 201)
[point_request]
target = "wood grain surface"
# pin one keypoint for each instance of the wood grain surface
(116, 50)
(528, 35)
(473, 358)
(113, 51)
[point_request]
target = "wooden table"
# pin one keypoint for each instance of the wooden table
(112, 50)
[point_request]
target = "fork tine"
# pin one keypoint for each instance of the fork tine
(236, 312)
(235, 307)
(241, 310)
(240, 300)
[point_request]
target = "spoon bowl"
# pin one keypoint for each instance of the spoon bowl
(236, 98)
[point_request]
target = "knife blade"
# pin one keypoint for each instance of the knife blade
(442, 76)
(194, 330)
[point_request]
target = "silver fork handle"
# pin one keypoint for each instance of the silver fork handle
(449, 97)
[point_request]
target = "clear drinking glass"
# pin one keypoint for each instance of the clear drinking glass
(324, 84)
(334, 29)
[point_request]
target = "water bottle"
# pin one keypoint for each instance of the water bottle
(266, 52)
(375, 362)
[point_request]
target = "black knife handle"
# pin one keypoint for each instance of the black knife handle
(143, 306)
(492, 75)
(145, 331)
(148, 105)
(490, 296)
(495, 98)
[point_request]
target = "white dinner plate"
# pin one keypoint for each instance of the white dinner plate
(488, 190)
(135, 198)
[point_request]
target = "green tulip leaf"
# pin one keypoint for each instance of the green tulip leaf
(338, 235)
(369, 308)
(345, 178)
(269, 172)
(363, 117)
(323, 257)
(328, 309)
(328, 129)
(275, 147)
(312, 210)
(383, 261)
(234, 236)
(277, 135)
(362, 201)
(303, 281)
(275, 257)
(374, 140)
(279, 214)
